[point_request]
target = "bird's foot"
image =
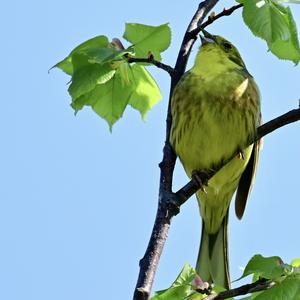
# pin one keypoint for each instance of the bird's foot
(241, 154)
(201, 177)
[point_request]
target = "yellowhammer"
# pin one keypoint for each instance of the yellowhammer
(216, 111)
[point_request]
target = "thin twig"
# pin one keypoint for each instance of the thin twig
(192, 34)
(287, 118)
(213, 18)
(259, 285)
(154, 62)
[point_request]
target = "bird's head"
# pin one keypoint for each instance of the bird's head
(217, 52)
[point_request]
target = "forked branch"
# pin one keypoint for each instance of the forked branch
(149, 263)
(213, 18)
(192, 35)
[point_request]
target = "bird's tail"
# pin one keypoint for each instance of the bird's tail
(212, 263)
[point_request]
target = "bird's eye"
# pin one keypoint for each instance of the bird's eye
(227, 45)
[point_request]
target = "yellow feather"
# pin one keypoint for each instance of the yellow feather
(216, 110)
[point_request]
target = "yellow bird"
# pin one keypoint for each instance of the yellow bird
(215, 114)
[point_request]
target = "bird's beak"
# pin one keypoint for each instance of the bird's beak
(207, 38)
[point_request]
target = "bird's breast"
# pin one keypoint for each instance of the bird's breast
(212, 120)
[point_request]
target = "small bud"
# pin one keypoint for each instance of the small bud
(150, 56)
(199, 284)
(116, 43)
(211, 16)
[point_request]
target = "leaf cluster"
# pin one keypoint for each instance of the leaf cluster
(103, 79)
(283, 279)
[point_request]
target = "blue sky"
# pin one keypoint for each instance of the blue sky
(78, 203)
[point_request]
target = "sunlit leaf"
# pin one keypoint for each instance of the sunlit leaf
(265, 267)
(274, 23)
(146, 93)
(96, 42)
(148, 39)
(295, 262)
(287, 289)
(289, 48)
(180, 288)
(103, 79)
(108, 100)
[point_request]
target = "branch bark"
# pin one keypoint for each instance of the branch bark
(150, 59)
(225, 12)
(259, 285)
(149, 263)
(186, 47)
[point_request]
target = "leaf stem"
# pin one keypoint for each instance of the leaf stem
(150, 59)
(259, 285)
(213, 18)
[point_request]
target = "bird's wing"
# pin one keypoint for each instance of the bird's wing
(246, 181)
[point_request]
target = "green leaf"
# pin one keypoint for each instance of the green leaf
(252, 297)
(86, 76)
(102, 55)
(146, 92)
(274, 23)
(108, 91)
(186, 276)
(108, 100)
(266, 267)
(180, 288)
(96, 42)
(295, 262)
(288, 1)
(172, 293)
(103, 79)
(105, 55)
(287, 289)
(148, 39)
(287, 49)
(265, 20)
(296, 265)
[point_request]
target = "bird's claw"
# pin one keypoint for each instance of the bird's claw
(201, 177)
(241, 154)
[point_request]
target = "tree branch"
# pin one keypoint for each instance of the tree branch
(211, 19)
(190, 37)
(150, 59)
(192, 33)
(170, 206)
(169, 202)
(285, 119)
(259, 285)
(149, 263)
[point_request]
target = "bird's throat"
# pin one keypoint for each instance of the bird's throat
(211, 62)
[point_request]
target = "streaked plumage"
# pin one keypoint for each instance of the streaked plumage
(216, 110)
